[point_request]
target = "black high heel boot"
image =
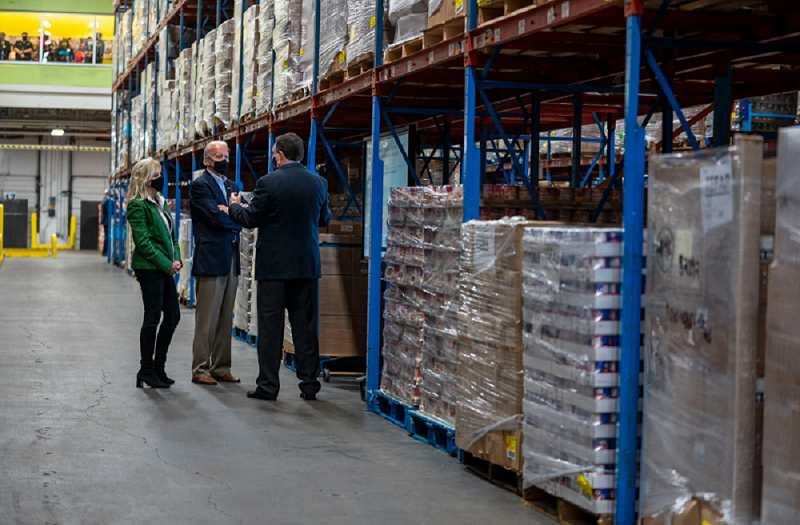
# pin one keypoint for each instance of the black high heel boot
(150, 378)
(163, 377)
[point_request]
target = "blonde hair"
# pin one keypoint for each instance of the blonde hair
(142, 172)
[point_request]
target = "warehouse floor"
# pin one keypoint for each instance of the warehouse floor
(81, 445)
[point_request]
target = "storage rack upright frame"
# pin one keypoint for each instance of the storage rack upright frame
(747, 41)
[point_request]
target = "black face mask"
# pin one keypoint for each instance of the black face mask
(157, 184)
(221, 167)
(24, 38)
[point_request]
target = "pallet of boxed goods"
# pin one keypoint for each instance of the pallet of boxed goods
(410, 19)
(333, 40)
(698, 449)
(492, 9)
(781, 490)
(223, 74)
(445, 21)
(266, 26)
(361, 44)
(209, 83)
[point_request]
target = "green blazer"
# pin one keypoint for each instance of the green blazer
(155, 248)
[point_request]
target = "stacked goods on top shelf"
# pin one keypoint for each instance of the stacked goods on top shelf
(198, 100)
(209, 82)
(185, 94)
(185, 240)
(442, 215)
(168, 48)
(138, 28)
(123, 137)
(361, 27)
(490, 380)
(332, 36)
(124, 40)
(223, 72)
(409, 18)
(781, 505)
(242, 308)
(266, 27)
(250, 43)
(167, 119)
(137, 129)
(150, 126)
(286, 39)
(305, 58)
(403, 315)
(698, 450)
(442, 11)
(573, 308)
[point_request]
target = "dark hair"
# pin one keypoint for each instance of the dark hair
(25, 34)
(291, 146)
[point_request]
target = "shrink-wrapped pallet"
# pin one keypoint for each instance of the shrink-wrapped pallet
(241, 312)
(127, 39)
(572, 311)
(166, 117)
(137, 128)
(781, 494)
(443, 212)
(250, 47)
(209, 82)
(148, 79)
(698, 449)
(332, 34)
(138, 28)
(266, 27)
(223, 71)
(286, 38)
(198, 101)
(305, 60)
(409, 18)
(185, 240)
(361, 28)
(123, 138)
(185, 92)
(252, 324)
(168, 51)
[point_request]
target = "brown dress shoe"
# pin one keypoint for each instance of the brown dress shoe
(204, 380)
(228, 378)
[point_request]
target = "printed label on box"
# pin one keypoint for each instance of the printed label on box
(347, 228)
(511, 447)
(484, 248)
(767, 247)
(372, 22)
(565, 10)
(551, 15)
(459, 6)
(716, 182)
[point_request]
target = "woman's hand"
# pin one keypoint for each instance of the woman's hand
(176, 267)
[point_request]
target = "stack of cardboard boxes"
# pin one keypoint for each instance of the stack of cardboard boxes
(223, 72)
(490, 378)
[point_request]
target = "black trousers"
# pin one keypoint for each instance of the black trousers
(301, 298)
(158, 295)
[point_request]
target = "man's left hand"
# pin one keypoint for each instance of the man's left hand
(223, 209)
(236, 198)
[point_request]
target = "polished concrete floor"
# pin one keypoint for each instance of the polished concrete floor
(79, 444)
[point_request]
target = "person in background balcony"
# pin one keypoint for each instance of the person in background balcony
(5, 47)
(24, 48)
(80, 54)
(65, 53)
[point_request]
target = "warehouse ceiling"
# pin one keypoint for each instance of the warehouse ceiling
(22, 122)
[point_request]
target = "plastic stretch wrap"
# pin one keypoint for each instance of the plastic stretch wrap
(163, 9)
(490, 380)
(167, 119)
(198, 104)
(236, 69)
(209, 81)
(150, 126)
(266, 27)
(701, 326)
(332, 33)
(361, 27)
(781, 504)
(250, 44)
(152, 17)
(305, 61)
(442, 216)
(286, 38)
(137, 128)
(168, 49)
(174, 118)
(138, 28)
(185, 93)
(127, 39)
(403, 314)
(223, 71)
(124, 133)
(242, 310)
(410, 18)
(572, 311)
(433, 7)
(185, 243)
(252, 326)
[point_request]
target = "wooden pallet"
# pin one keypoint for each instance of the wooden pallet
(300, 94)
(494, 9)
(561, 511)
(331, 80)
(360, 65)
(404, 50)
(441, 32)
(500, 476)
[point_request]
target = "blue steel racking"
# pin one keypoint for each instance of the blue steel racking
(565, 63)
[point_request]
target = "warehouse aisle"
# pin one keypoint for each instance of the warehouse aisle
(81, 445)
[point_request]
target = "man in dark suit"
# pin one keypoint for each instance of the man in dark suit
(288, 206)
(215, 267)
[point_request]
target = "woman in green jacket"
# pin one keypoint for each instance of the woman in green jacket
(156, 260)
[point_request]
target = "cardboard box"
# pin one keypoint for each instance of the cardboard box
(337, 260)
(332, 238)
(446, 12)
(359, 296)
(345, 228)
(342, 336)
(335, 294)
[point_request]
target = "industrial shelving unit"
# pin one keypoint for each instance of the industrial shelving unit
(500, 87)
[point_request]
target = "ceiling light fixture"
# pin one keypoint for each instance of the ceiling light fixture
(57, 132)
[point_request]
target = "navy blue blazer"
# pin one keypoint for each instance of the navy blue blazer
(216, 237)
(288, 207)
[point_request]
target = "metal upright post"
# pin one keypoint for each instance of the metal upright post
(633, 217)
(482, 154)
(219, 11)
(470, 161)
(577, 124)
(722, 106)
(110, 218)
(536, 120)
(238, 162)
(445, 152)
(376, 198)
(177, 198)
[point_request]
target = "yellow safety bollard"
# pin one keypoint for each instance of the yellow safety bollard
(34, 231)
(54, 246)
(71, 245)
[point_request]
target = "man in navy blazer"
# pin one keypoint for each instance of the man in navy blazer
(215, 266)
(288, 207)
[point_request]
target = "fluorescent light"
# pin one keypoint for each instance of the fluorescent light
(47, 24)
(57, 132)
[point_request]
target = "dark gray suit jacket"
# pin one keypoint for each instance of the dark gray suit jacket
(288, 207)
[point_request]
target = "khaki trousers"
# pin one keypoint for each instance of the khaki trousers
(214, 324)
